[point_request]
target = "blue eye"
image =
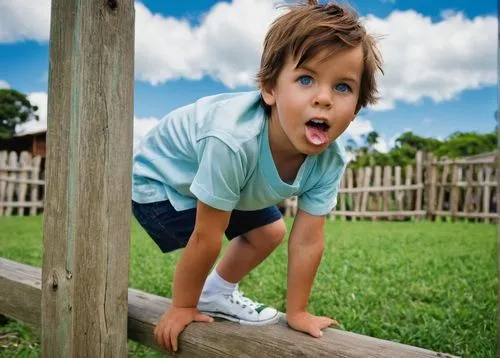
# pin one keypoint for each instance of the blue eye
(342, 87)
(305, 80)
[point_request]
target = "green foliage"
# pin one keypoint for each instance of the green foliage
(15, 109)
(408, 144)
(427, 284)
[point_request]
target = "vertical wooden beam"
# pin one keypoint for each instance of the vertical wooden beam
(431, 186)
(399, 193)
(87, 203)
(455, 191)
(419, 179)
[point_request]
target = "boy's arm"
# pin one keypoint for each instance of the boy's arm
(199, 256)
(305, 248)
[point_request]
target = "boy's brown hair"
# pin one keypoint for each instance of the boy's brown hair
(309, 28)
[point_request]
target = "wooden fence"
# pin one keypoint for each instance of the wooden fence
(431, 188)
(21, 188)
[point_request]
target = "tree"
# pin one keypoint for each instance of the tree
(15, 108)
(372, 139)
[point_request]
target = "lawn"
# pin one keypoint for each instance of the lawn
(431, 285)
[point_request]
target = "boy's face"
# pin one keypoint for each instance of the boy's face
(313, 104)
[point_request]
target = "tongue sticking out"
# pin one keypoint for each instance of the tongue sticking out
(316, 136)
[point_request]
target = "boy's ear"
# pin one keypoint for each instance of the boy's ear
(267, 95)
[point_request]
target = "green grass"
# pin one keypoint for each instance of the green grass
(431, 285)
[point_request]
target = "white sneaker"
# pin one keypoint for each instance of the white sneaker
(238, 308)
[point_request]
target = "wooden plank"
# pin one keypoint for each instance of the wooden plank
(89, 157)
(23, 204)
(442, 187)
(3, 183)
(350, 186)
(20, 299)
(382, 189)
(342, 196)
(366, 185)
(465, 161)
(409, 192)
(464, 184)
(12, 162)
(25, 161)
(469, 215)
(367, 214)
(376, 199)
(454, 191)
(431, 186)
(486, 191)
(399, 193)
(387, 196)
(419, 167)
(469, 202)
(24, 181)
(36, 182)
(360, 173)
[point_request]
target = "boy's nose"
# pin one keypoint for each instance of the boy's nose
(323, 99)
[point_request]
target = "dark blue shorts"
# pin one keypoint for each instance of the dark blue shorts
(171, 229)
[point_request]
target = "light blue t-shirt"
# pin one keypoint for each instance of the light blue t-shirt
(216, 150)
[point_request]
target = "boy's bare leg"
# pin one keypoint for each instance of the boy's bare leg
(248, 251)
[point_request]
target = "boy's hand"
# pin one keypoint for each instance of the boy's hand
(173, 322)
(308, 323)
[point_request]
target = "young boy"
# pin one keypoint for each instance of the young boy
(220, 165)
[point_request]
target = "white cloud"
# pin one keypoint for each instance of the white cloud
(434, 60)
(4, 84)
(37, 99)
(357, 128)
(141, 127)
(24, 20)
(225, 46)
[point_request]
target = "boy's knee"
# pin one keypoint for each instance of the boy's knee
(276, 232)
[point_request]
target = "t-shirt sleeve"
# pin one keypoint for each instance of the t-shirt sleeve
(322, 198)
(220, 175)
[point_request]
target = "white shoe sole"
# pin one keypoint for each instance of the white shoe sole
(267, 322)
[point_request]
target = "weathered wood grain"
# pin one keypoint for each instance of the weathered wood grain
(20, 299)
(87, 211)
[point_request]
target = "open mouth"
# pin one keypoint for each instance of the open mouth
(318, 124)
(317, 131)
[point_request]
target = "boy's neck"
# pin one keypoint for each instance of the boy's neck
(286, 158)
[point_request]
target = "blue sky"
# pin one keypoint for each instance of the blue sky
(440, 58)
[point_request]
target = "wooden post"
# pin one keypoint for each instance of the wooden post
(399, 193)
(419, 172)
(87, 212)
(377, 196)
(455, 191)
(431, 186)
(409, 192)
(35, 176)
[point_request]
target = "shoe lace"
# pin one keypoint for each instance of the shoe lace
(238, 297)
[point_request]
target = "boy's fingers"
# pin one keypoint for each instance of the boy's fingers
(203, 318)
(315, 331)
(166, 339)
(174, 334)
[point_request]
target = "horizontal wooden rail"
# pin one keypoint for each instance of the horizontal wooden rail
(23, 181)
(21, 294)
(471, 215)
(18, 170)
(372, 214)
(17, 204)
(381, 188)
